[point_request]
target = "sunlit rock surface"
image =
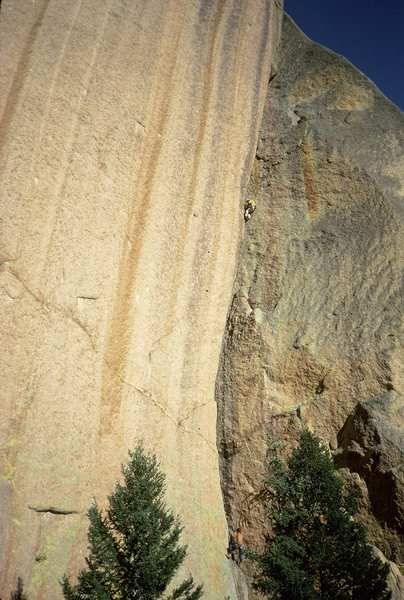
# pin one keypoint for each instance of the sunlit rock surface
(128, 135)
(129, 131)
(315, 327)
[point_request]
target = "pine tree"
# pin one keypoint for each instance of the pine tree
(134, 550)
(317, 551)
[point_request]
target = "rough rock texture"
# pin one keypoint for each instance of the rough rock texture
(316, 322)
(371, 444)
(128, 134)
(395, 578)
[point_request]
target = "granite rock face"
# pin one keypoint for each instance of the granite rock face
(315, 328)
(128, 135)
(129, 131)
(371, 444)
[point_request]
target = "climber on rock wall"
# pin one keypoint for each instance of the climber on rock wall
(249, 208)
(236, 547)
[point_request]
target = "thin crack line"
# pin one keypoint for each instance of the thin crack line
(54, 307)
(193, 409)
(146, 394)
(156, 344)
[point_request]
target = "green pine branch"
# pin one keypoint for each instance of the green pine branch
(134, 548)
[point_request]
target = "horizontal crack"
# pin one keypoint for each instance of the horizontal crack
(53, 510)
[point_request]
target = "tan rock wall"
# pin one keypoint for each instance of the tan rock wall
(128, 132)
(316, 322)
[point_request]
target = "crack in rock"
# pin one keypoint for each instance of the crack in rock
(156, 344)
(146, 394)
(193, 409)
(54, 510)
(56, 308)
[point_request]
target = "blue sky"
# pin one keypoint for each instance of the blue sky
(369, 33)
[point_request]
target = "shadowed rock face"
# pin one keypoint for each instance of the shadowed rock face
(371, 444)
(395, 578)
(128, 135)
(316, 322)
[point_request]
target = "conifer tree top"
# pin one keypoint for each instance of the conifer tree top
(317, 550)
(134, 549)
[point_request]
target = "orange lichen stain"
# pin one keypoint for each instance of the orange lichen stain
(120, 326)
(310, 188)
